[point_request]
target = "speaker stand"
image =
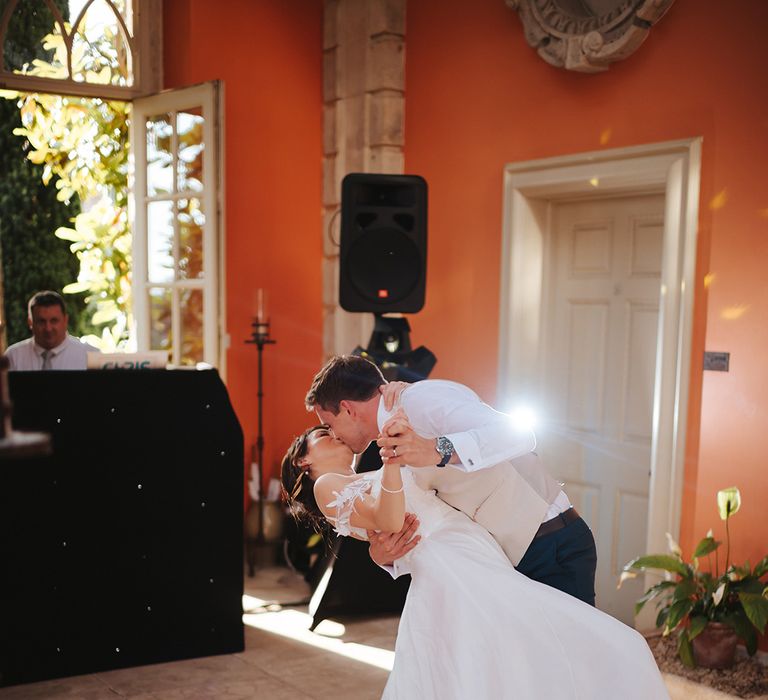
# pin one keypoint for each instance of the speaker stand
(389, 347)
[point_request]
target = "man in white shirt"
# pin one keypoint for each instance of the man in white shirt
(50, 346)
(476, 460)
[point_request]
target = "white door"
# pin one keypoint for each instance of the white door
(176, 247)
(601, 295)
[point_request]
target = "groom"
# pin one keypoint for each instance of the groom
(473, 457)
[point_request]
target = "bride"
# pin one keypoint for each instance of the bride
(473, 627)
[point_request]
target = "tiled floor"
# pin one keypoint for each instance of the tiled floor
(282, 660)
(273, 666)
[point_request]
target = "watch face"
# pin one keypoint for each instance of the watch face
(444, 446)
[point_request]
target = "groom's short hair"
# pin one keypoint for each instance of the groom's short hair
(343, 378)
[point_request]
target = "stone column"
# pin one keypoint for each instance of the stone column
(363, 127)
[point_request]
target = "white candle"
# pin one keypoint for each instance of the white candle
(261, 306)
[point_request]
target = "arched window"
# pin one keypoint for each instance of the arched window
(92, 48)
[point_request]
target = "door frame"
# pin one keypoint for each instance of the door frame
(530, 187)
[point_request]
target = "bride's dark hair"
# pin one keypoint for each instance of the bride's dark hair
(298, 485)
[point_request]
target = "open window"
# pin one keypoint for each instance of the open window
(176, 261)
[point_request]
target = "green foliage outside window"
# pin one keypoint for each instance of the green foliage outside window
(82, 146)
(33, 259)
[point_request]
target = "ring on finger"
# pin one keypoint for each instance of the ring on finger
(394, 450)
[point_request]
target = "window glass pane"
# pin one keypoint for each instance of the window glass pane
(28, 26)
(100, 53)
(160, 241)
(191, 221)
(160, 314)
(191, 326)
(159, 156)
(124, 7)
(189, 125)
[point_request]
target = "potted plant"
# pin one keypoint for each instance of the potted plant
(710, 610)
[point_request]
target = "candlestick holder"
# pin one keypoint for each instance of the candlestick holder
(260, 337)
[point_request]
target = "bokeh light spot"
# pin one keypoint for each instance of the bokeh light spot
(735, 312)
(719, 200)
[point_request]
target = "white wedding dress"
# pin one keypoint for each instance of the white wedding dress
(474, 628)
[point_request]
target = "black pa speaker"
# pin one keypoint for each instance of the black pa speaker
(383, 257)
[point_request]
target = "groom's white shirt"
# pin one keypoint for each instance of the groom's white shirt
(437, 407)
(482, 437)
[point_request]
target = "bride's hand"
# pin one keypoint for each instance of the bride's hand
(391, 393)
(397, 422)
(385, 547)
(401, 444)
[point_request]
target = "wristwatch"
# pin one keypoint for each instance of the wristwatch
(445, 447)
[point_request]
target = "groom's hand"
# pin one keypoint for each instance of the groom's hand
(401, 444)
(385, 547)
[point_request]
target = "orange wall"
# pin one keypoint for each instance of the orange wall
(269, 56)
(477, 97)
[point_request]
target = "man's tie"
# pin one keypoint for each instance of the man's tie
(46, 355)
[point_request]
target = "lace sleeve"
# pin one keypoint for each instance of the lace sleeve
(344, 503)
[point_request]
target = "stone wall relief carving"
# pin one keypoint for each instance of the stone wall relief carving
(587, 35)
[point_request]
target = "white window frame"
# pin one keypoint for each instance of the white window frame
(205, 96)
(145, 45)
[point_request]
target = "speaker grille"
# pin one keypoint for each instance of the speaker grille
(384, 266)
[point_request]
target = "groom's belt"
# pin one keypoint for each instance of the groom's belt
(557, 523)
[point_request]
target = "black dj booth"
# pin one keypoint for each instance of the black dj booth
(124, 546)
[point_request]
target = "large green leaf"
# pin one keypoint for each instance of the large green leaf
(750, 639)
(684, 650)
(748, 585)
(652, 592)
(743, 627)
(684, 589)
(660, 561)
(661, 618)
(706, 546)
(698, 623)
(677, 612)
(755, 608)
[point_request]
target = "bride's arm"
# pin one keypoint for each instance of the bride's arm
(386, 512)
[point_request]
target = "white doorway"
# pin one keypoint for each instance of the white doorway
(597, 275)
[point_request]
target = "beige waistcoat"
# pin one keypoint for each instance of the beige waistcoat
(509, 500)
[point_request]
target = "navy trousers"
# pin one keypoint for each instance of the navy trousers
(564, 559)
